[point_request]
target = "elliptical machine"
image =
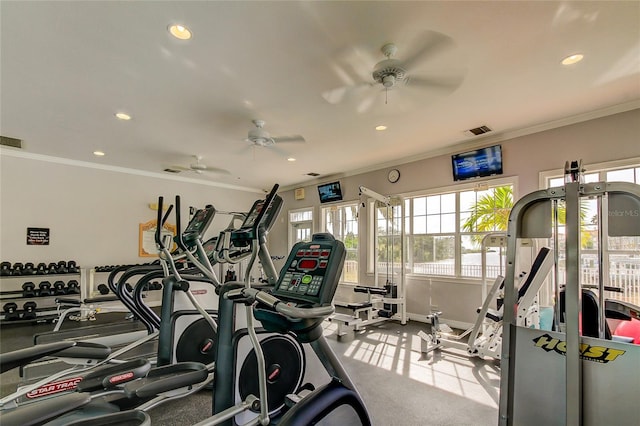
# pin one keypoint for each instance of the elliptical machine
(293, 308)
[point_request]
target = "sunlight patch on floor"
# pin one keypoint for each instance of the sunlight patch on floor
(452, 371)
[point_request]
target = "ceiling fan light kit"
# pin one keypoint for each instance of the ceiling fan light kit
(388, 71)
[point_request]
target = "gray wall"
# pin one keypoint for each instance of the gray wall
(614, 137)
(93, 215)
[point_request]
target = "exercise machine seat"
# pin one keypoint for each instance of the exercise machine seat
(589, 319)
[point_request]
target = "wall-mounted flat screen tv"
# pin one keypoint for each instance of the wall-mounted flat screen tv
(330, 192)
(477, 163)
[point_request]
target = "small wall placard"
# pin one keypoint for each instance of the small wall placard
(38, 236)
(147, 238)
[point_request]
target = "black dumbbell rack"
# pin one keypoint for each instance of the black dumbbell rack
(28, 290)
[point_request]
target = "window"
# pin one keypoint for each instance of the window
(342, 222)
(388, 243)
(623, 252)
(300, 225)
(445, 230)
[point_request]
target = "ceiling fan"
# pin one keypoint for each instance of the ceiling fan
(391, 73)
(199, 167)
(258, 136)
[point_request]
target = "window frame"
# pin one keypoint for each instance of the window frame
(323, 225)
(457, 233)
(290, 223)
(545, 176)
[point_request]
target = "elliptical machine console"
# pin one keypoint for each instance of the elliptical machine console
(198, 224)
(309, 279)
(311, 272)
(257, 220)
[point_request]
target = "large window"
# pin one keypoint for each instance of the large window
(445, 230)
(342, 222)
(623, 253)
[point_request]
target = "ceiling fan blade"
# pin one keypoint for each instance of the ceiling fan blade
(367, 103)
(278, 151)
(335, 96)
(338, 95)
(292, 138)
(444, 83)
(430, 43)
(182, 168)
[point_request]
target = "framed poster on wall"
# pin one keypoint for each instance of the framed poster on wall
(147, 238)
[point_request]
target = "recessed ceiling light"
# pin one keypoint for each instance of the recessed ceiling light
(123, 116)
(291, 159)
(381, 127)
(572, 59)
(98, 153)
(180, 32)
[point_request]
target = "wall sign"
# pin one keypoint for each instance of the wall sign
(37, 236)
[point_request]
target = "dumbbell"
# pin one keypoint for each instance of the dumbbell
(45, 288)
(62, 267)
(72, 267)
(103, 289)
(5, 269)
(29, 269)
(41, 269)
(11, 311)
(17, 268)
(156, 286)
(73, 287)
(28, 289)
(58, 288)
(29, 312)
(53, 268)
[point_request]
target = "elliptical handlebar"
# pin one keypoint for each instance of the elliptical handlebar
(251, 295)
(179, 239)
(161, 220)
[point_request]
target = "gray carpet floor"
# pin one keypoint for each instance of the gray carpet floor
(400, 386)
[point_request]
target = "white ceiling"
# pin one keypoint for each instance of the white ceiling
(67, 67)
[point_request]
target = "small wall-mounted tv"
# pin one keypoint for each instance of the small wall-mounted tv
(478, 163)
(330, 192)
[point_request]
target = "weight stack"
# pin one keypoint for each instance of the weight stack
(392, 292)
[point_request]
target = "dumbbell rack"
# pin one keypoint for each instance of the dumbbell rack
(32, 306)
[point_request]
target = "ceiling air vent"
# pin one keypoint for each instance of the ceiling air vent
(11, 142)
(478, 131)
(172, 170)
(313, 174)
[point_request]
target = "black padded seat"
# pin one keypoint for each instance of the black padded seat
(492, 314)
(590, 319)
(362, 305)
